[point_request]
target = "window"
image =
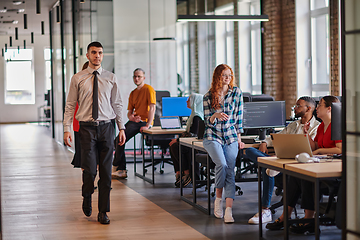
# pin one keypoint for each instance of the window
(250, 64)
(47, 58)
(320, 47)
(19, 77)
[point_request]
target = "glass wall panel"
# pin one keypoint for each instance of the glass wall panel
(57, 77)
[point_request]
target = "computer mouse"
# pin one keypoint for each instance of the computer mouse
(303, 158)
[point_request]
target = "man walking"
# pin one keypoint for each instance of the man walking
(98, 95)
(141, 110)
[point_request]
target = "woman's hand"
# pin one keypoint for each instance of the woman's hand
(317, 152)
(241, 145)
(221, 116)
(172, 142)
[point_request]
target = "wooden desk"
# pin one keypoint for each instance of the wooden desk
(154, 131)
(197, 144)
(314, 172)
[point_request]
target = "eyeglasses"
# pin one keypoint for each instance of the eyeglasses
(227, 76)
(138, 76)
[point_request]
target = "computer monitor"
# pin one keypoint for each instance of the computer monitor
(175, 106)
(336, 121)
(263, 115)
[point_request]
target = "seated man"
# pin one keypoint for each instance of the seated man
(141, 110)
(304, 109)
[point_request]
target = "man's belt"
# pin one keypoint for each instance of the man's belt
(94, 123)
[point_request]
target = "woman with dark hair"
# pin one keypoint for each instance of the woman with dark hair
(195, 103)
(321, 145)
(223, 109)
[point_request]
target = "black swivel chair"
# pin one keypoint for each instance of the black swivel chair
(160, 142)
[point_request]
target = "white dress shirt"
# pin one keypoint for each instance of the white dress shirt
(81, 91)
(297, 127)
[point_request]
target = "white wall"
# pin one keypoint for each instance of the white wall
(25, 113)
(136, 23)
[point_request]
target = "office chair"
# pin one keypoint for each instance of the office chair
(161, 142)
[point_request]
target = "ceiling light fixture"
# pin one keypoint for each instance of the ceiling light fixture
(17, 2)
(57, 14)
(212, 18)
(3, 10)
(42, 28)
(38, 7)
(21, 10)
(15, 22)
(25, 21)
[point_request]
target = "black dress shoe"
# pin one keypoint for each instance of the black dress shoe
(103, 218)
(277, 225)
(86, 206)
(301, 228)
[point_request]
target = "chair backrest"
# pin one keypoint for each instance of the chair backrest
(201, 129)
(158, 111)
(246, 97)
(261, 98)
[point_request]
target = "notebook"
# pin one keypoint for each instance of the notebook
(170, 122)
(289, 145)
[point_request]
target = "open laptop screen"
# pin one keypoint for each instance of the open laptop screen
(170, 122)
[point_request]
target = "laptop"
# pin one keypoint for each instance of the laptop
(170, 122)
(289, 145)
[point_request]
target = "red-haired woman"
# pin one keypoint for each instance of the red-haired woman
(223, 108)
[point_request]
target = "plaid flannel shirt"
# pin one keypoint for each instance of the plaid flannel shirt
(225, 132)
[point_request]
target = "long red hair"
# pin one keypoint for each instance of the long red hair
(216, 84)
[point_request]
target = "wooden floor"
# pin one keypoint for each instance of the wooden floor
(41, 196)
(41, 199)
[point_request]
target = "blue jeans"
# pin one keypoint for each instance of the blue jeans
(268, 182)
(224, 157)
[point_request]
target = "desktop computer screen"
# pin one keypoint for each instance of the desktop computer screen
(175, 106)
(264, 114)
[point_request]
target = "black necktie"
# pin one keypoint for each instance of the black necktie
(95, 108)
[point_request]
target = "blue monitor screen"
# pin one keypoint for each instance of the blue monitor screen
(264, 114)
(175, 106)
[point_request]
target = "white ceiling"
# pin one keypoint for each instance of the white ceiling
(33, 20)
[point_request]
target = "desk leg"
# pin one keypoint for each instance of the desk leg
(152, 159)
(143, 161)
(259, 203)
(180, 166)
(208, 181)
(286, 222)
(317, 202)
(193, 173)
(134, 154)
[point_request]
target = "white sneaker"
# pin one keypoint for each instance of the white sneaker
(218, 209)
(266, 217)
(119, 174)
(228, 218)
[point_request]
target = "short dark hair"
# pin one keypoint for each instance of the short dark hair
(330, 99)
(94, 44)
(139, 69)
(309, 100)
